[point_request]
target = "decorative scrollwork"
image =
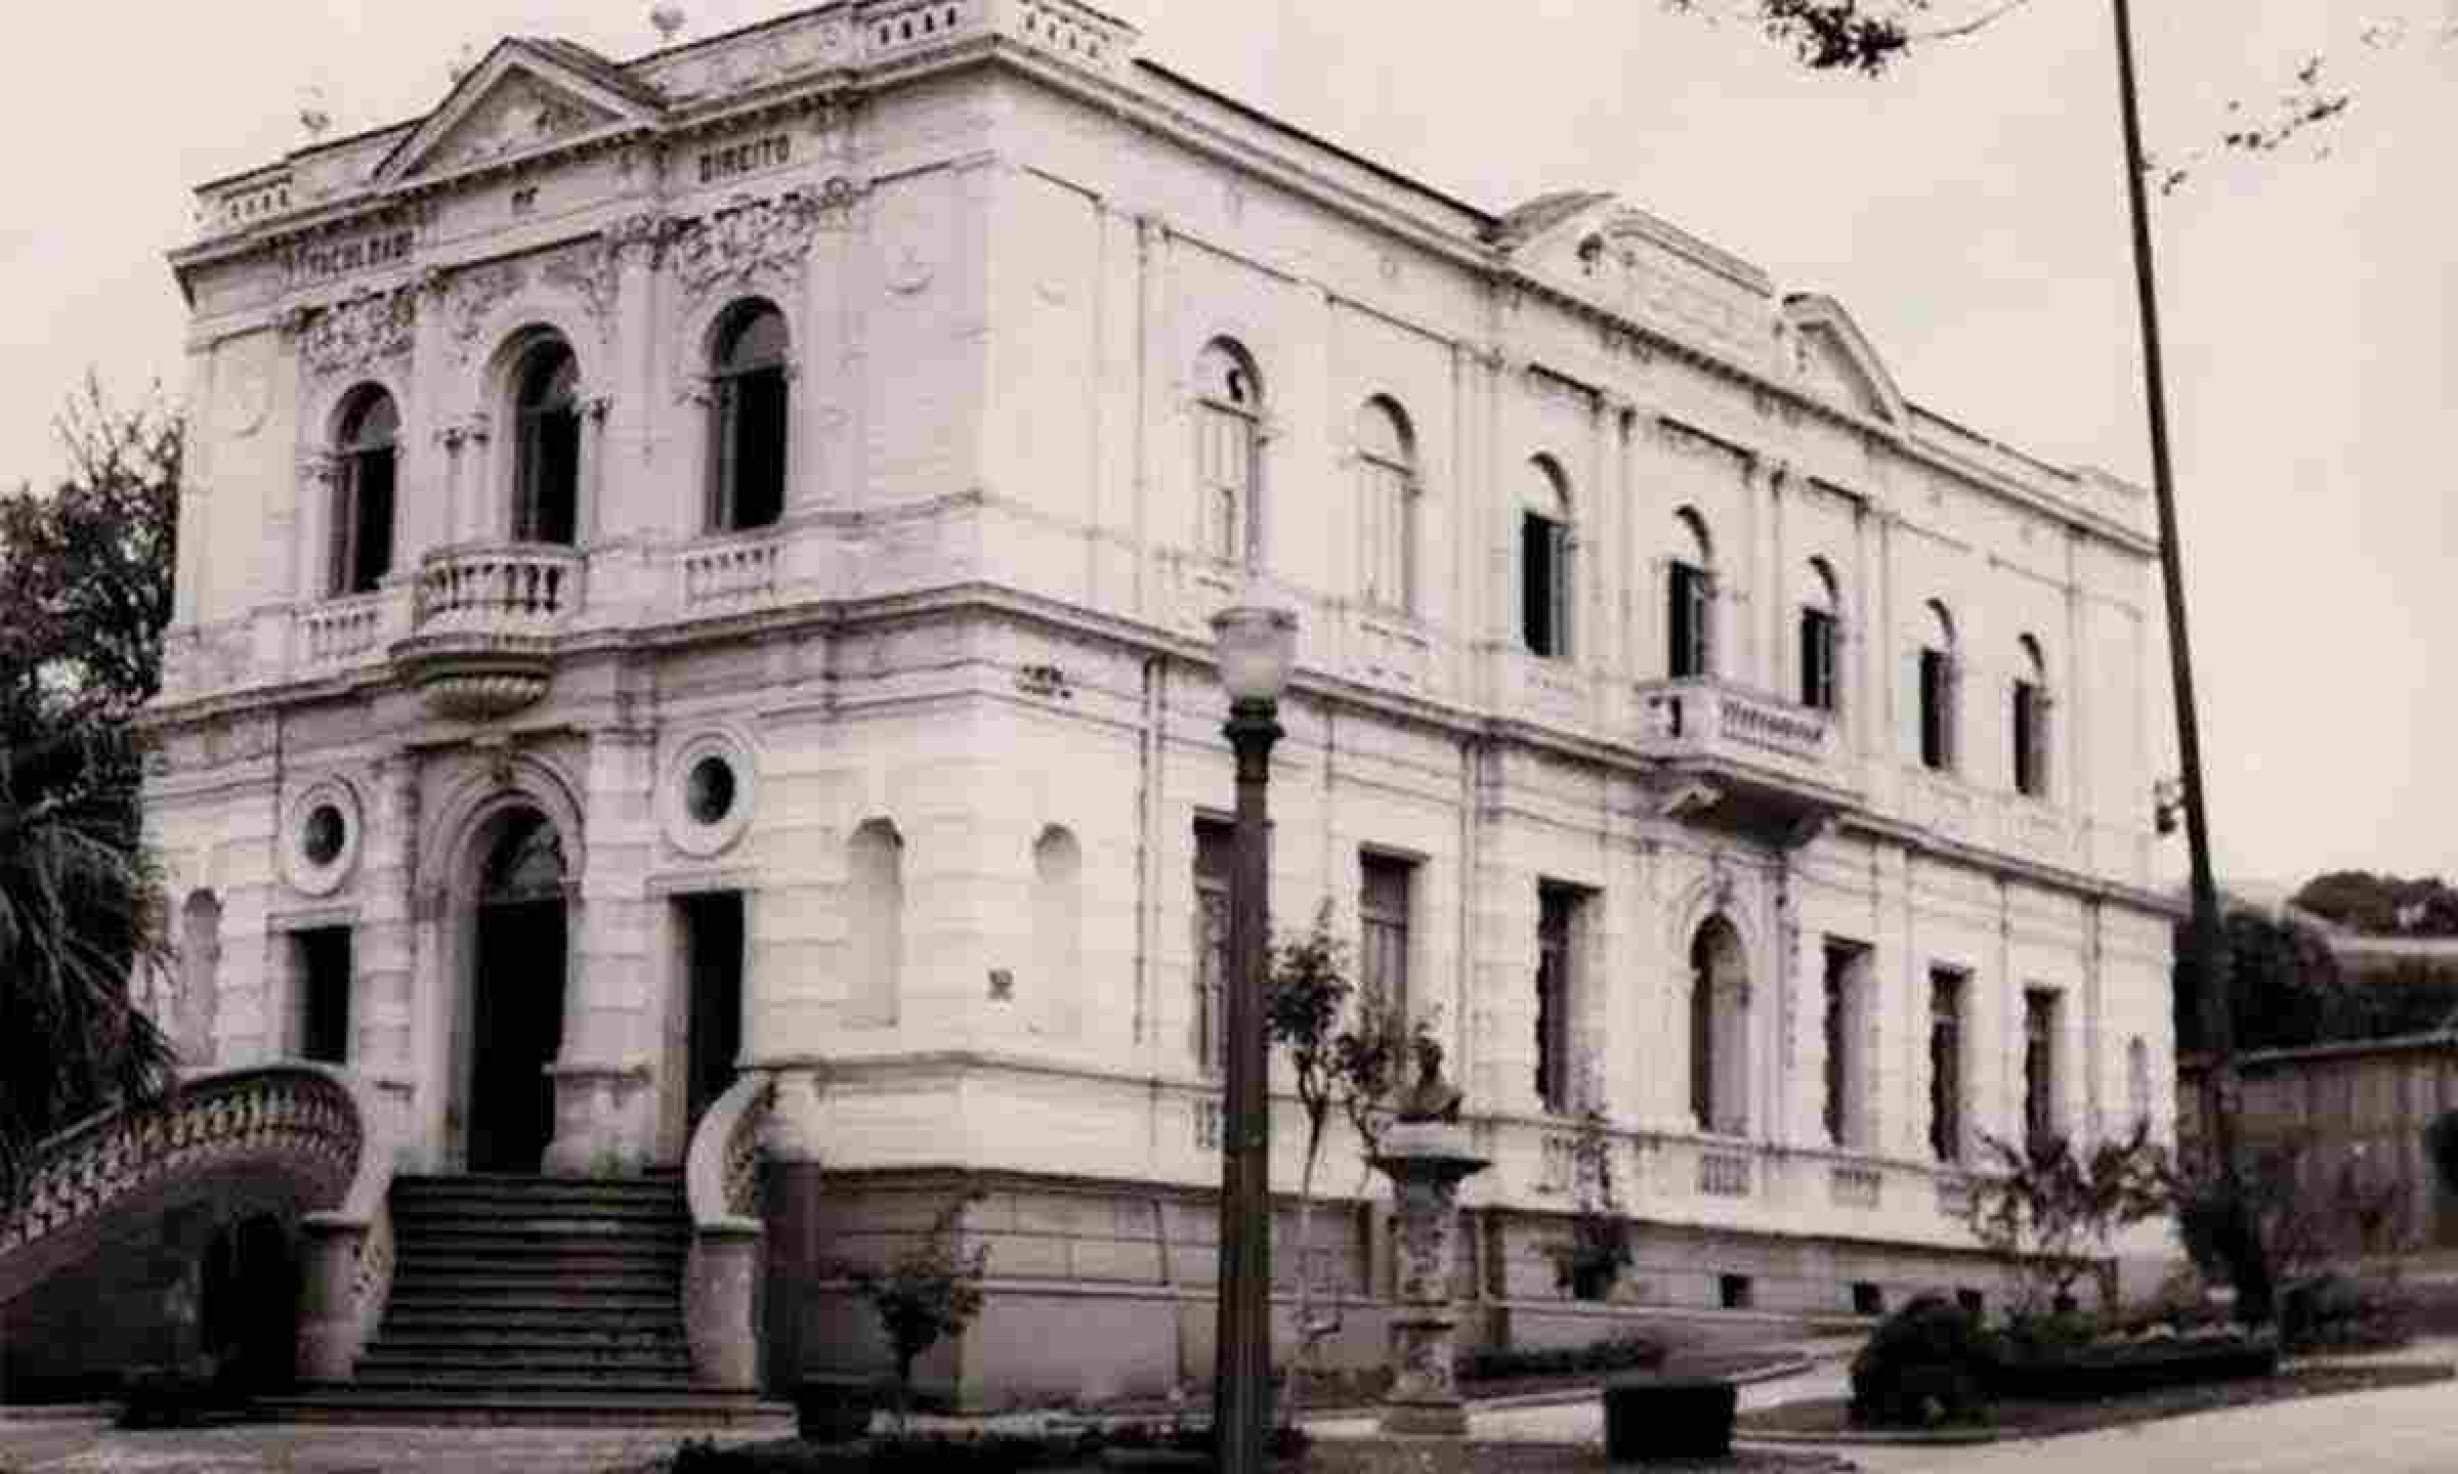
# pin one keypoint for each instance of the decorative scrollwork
(756, 238)
(353, 334)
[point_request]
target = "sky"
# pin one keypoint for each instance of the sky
(1967, 208)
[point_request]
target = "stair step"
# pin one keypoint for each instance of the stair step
(541, 1273)
(550, 1380)
(740, 1411)
(531, 1342)
(496, 1363)
(426, 1259)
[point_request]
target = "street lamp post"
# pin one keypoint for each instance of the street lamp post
(1255, 645)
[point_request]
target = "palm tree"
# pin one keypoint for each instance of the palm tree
(81, 915)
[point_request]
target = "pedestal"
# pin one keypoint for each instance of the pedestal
(1425, 1161)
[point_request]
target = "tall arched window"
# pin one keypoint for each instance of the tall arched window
(1719, 1029)
(1940, 676)
(2030, 721)
(747, 419)
(1228, 420)
(1690, 600)
(362, 542)
(1821, 640)
(1544, 560)
(874, 922)
(1386, 506)
(200, 961)
(1058, 929)
(546, 444)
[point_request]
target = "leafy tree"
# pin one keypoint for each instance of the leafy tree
(2383, 905)
(1344, 1044)
(85, 578)
(930, 1290)
(2052, 1216)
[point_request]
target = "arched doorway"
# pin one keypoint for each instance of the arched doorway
(516, 980)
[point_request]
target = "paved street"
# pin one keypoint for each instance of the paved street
(77, 1447)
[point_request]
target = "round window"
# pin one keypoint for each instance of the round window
(321, 839)
(708, 794)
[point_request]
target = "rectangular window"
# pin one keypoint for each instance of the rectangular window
(1845, 983)
(1687, 654)
(1225, 465)
(1818, 660)
(1544, 585)
(1946, 1064)
(2030, 747)
(2039, 1062)
(1215, 849)
(1383, 511)
(324, 968)
(1384, 883)
(1936, 710)
(1557, 908)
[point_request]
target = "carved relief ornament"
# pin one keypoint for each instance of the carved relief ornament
(469, 295)
(358, 332)
(755, 238)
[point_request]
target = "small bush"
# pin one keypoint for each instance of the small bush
(2333, 1311)
(1926, 1365)
(1618, 1354)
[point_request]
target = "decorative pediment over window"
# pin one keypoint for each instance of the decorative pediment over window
(1835, 362)
(527, 95)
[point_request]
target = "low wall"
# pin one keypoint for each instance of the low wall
(1101, 1292)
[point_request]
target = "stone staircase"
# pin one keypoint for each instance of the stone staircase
(537, 1300)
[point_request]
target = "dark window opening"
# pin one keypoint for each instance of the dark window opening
(324, 993)
(2039, 1063)
(1688, 622)
(1936, 710)
(546, 501)
(749, 432)
(1842, 1044)
(1946, 1065)
(1818, 642)
(1384, 882)
(712, 945)
(1973, 1302)
(1733, 1291)
(1544, 584)
(1868, 1298)
(1556, 906)
(362, 543)
(2030, 744)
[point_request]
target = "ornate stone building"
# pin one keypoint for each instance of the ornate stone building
(700, 565)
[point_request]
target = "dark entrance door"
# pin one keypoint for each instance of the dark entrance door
(713, 967)
(517, 1025)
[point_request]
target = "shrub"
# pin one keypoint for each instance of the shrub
(1925, 1365)
(2330, 1310)
(1618, 1354)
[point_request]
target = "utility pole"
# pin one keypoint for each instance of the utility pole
(2206, 959)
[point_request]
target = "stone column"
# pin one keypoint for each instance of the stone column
(1425, 1161)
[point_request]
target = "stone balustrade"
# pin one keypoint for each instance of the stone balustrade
(730, 573)
(498, 588)
(318, 1127)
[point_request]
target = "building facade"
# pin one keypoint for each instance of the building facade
(703, 563)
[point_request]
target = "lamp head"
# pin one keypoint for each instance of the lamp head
(1256, 643)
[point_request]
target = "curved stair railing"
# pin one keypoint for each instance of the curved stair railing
(319, 1126)
(721, 1275)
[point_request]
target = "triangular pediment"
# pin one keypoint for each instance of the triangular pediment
(525, 97)
(1836, 363)
(1635, 263)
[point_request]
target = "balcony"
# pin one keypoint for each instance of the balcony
(483, 625)
(1745, 760)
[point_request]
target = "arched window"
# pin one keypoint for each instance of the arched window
(362, 542)
(1940, 676)
(747, 419)
(1544, 560)
(1387, 506)
(1228, 420)
(875, 922)
(546, 444)
(1690, 600)
(2030, 721)
(1821, 640)
(1719, 1029)
(1058, 929)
